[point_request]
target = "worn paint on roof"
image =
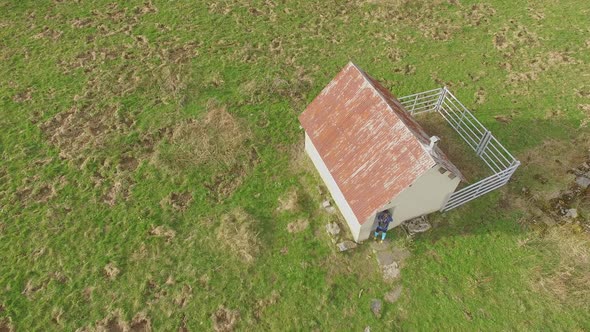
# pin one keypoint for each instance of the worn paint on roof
(370, 144)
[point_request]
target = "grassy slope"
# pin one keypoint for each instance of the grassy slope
(263, 63)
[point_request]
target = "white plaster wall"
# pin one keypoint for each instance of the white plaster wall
(341, 203)
(426, 195)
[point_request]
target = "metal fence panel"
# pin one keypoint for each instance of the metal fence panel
(494, 155)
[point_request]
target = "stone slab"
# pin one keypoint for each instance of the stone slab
(333, 229)
(346, 245)
(376, 307)
(385, 258)
(393, 295)
(583, 182)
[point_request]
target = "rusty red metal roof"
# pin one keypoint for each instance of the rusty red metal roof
(371, 145)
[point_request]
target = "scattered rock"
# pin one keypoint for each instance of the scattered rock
(225, 320)
(393, 295)
(391, 272)
(376, 307)
(297, 226)
(367, 329)
(346, 245)
(583, 182)
(331, 209)
(333, 229)
(417, 225)
(326, 204)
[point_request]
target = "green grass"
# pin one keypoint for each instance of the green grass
(264, 62)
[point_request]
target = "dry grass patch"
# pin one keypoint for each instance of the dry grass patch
(224, 319)
(163, 232)
(111, 271)
(288, 202)
(178, 200)
(569, 280)
(298, 226)
(217, 137)
(236, 233)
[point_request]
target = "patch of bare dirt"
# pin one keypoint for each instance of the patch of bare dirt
(6, 325)
(128, 164)
(539, 64)
(224, 319)
(298, 226)
(225, 183)
(140, 323)
(163, 232)
(237, 234)
(112, 324)
(111, 271)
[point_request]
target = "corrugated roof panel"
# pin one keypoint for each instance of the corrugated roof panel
(370, 145)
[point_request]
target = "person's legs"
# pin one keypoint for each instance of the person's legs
(383, 235)
(376, 234)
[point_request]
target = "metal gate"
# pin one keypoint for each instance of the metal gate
(478, 137)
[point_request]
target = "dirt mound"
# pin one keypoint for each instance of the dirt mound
(236, 234)
(224, 319)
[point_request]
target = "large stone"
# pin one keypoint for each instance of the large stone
(331, 209)
(326, 204)
(346, 245)
(376, 307)
(385, 258)
(391, 272)
(417, 225)
(393, 295)
(583, 182)
(333, 229)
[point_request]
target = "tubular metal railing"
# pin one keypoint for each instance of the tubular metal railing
(476, 135)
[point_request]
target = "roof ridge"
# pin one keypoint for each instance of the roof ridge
(415, 135)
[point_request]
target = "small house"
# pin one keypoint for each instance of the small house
(373, 155)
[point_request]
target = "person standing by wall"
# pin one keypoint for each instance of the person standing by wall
(383, 220)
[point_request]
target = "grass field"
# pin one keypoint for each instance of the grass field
(152, 173)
